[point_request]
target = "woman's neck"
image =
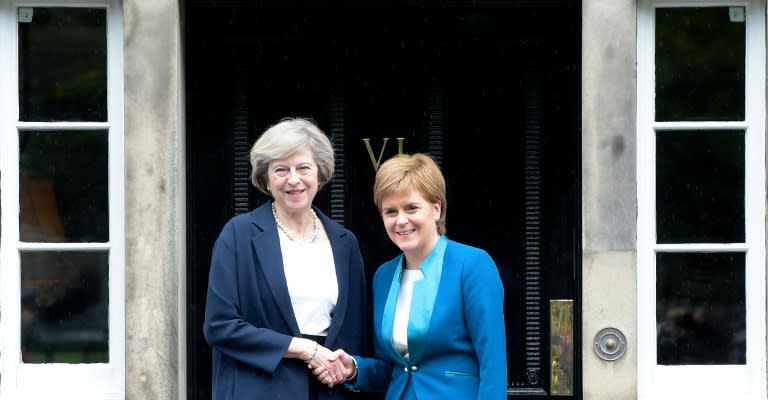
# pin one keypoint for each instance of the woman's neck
(415, 257)
(297, 225)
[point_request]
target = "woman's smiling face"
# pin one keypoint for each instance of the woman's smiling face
(410, 221)
(293, 180)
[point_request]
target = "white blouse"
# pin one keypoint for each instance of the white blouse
(311, 275)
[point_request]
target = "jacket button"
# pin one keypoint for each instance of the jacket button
(414, 368)
(405, 369)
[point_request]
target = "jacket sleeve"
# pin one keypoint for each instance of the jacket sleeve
(483, 292)
(224, 327)
(373, 375)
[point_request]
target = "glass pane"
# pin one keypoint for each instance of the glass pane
(62, 64)
(700, 187)
(64, 307)
(700, 311)
(63, 186)
(700, 65)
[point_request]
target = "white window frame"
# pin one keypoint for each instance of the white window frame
(59, 381)
(660, 382)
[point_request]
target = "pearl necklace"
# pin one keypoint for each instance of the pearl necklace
(292, 237)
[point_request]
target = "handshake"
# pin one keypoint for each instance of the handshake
(330, 367)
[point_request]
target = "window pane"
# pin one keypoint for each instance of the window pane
(700, 187)
(701, 316)
(63, 64)
(700, 64)
(63, 186)
(64, 300)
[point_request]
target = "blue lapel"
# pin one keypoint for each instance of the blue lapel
(388, 317)
(422, 304)
(341, 257)
(266, 244)
(425, 293)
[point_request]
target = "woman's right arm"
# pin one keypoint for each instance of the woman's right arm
(224, 328)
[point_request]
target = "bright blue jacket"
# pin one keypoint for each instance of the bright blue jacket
(456, 338)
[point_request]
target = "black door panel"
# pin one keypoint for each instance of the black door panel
(491, 89)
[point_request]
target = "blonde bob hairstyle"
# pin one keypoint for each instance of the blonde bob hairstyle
(412, 171)
(283, 139)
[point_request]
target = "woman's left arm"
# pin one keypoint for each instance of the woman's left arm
(484, 314)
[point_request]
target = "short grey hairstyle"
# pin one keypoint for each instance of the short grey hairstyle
(283, 139)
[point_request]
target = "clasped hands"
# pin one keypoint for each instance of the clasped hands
(330, 367)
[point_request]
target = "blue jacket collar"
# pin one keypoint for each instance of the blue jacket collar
(422, 304)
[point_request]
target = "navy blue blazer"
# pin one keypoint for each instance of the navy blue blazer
(249, 320)
(460, 352)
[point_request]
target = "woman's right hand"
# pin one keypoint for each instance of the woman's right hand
(327, 367)
(323, 362)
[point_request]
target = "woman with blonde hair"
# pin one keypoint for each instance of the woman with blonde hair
(438, 307)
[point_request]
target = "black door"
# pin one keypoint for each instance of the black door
(490, 89)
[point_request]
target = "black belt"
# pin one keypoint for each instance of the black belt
(318, 339)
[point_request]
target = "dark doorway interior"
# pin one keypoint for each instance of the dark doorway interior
(491, 89)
